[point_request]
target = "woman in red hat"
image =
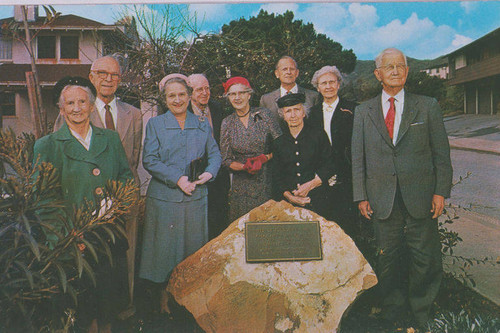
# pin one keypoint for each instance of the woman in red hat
(246, 137)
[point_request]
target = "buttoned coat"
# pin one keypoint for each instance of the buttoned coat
(83, 174)
(268, 100)
(419, 162)
(128, 126)
(168, 151)
(341, 132)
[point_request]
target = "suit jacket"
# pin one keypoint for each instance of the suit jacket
(217, 112)
(419, 163)
(341, 131)
(268, 100)
(168, 151)
(129, 127)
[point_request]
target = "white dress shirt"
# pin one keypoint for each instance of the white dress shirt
(328, 110)
(99, 105)
(399, 104)
(294, 90)
(84, 141)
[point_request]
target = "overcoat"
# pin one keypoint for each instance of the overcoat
(419, 161)
(82, 173)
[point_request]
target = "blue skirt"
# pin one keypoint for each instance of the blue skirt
(172, 232)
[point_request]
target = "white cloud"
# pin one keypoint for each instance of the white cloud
(469, 6)
(208, 12)
(326, 16)
(460, 41)
(278, 8)
(363, 15)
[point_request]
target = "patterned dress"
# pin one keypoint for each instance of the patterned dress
(238, 143)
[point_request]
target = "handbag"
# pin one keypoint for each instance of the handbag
(197, 167)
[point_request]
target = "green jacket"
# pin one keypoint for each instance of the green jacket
(83, 174)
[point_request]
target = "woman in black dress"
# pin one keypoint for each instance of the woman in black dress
(303, 165)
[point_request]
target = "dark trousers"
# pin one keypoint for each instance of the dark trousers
(218, 205)
(409, 266)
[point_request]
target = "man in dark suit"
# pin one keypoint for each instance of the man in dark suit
(202, 105)
(287, 72)
(109, 112)
(401, 176)
(335, 116)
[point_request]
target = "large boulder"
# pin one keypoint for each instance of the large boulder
(224, 293)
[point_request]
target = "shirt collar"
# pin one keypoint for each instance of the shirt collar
(99, 104)
(399, 97)
(333, 105)
(294, 90)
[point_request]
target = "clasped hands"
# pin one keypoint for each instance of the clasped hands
(299, 196)
(188, 187)
(254, 164)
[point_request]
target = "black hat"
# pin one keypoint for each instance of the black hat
(291, 99)
(71, 81)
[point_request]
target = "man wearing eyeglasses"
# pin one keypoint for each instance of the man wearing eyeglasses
(109, 112)
(401, 176)
(203, 106)
(287, 72)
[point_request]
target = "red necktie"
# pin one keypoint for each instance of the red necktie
(109, 118)
(389, 118)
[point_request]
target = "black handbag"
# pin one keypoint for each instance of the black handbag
(197, 167)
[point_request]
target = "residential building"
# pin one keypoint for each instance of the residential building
(67, 46)
(476, 66)
(441, 71)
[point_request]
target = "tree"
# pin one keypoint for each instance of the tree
(252, 47)
(39, 283)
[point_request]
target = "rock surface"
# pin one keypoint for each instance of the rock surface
(226, 294)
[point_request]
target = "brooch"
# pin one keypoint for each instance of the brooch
(346, 110)
(332, 181)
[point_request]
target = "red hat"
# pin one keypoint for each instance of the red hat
(235, 80)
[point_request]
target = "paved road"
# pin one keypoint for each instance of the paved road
(481, 191)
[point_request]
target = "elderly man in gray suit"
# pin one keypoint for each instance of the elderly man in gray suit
(287, 72)
(111, 113)
(402, 173)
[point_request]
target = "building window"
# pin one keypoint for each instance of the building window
(7, 104)
(69, 47)
(46, 47)
(5, 48)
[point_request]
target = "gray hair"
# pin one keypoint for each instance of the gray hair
(248, 90)
(192, 77)
(325, 70)
(306, 111)
(287, 57)
(90, 95)
(115, 58)
(378, 59)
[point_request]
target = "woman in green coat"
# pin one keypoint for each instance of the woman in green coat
(85, 158)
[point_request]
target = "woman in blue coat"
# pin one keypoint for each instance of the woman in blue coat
(176, 205)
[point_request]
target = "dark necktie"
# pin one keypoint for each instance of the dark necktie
(389, 118)
(109, 118)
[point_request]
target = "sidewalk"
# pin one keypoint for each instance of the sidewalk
(480, 233)
(479, 133)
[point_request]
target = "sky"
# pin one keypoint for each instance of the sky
(423, 30)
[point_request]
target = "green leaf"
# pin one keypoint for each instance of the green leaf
(33, 244)
(91, 248)
(79, 258)
(88, 269)
(109, 232)
(27, 273)
(73, 294)
(62, 276)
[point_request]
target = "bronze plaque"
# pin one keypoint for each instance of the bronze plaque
(282, 241)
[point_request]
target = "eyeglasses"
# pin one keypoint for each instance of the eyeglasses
(236, 93)
(390, 68)
(104, 75)
(202, 89)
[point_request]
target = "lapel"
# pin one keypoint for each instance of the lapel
(95, 119)
(376, 114)
(123, 119)
(410, 111)
(74, 149)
